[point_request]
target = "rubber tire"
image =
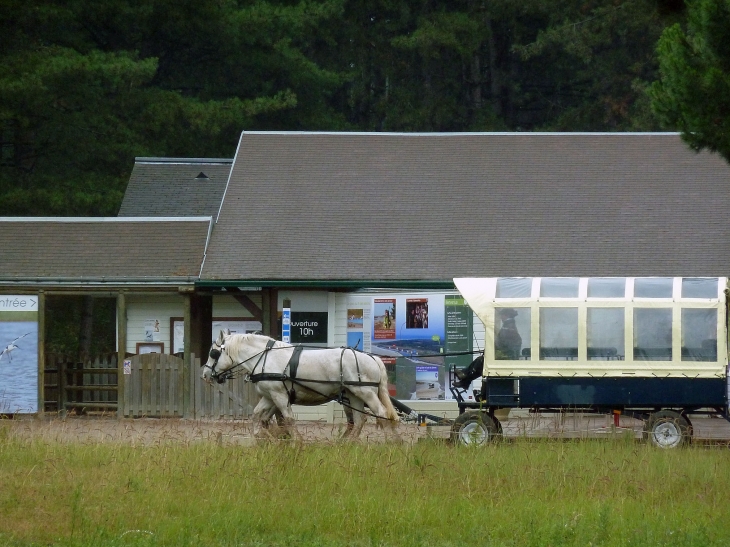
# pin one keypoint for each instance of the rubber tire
(667, 429)
(474, 428)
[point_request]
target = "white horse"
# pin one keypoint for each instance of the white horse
(313, 377)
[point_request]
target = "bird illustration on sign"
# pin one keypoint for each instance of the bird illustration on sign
(12, 346)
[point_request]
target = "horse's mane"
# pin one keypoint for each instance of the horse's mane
(235, 341)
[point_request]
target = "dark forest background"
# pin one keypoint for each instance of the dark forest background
(87, 85)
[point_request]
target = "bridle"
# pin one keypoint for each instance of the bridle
(215, 354)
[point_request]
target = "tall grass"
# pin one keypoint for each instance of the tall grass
(521, 493)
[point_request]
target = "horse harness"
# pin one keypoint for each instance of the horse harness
(292, 366)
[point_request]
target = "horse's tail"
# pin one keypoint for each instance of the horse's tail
(383, 393)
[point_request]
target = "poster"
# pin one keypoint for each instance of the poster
(358, 323)
(18, 354)
(409, 330)
(384, 316)
(152, 330)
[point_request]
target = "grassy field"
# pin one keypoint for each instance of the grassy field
(519, 493)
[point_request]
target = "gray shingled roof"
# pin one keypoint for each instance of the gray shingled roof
(173, 187)
(46, 250)
(319, 206)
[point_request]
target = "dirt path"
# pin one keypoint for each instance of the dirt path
(145, 431)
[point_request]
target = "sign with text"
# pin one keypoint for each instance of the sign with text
(19, 373)
(459, 331)
(309, 327)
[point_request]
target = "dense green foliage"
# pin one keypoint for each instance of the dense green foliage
(523, 493)
(693, 93)
(85, 86)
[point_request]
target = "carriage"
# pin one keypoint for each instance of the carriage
(654, 349)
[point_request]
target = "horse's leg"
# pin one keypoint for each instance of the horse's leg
(263, 412)
(350, 421)
(280, 397)
(376, 407)
(358, 417)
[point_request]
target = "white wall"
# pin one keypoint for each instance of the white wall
(141, 308)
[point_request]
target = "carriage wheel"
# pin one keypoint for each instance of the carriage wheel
(667, 429)
(474, 428)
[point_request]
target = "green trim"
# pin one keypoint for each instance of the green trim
(330, 283)
(18, 316)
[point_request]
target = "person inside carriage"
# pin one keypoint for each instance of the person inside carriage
(507, 346)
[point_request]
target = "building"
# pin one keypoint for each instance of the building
(348, 225)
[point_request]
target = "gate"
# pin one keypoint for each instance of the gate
(154, 386)
(234, 399)
(74, 386)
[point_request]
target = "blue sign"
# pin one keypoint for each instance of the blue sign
(286, 325)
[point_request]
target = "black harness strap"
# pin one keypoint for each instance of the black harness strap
(293, 365)
(263, 375)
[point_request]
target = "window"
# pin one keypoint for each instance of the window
(653, 287)
(653, 334)
(606, 287)
(559, 287)
(512, 333)
(699, 334)
(699, 287)
(605, 330)
(514, 287)
(558, 333)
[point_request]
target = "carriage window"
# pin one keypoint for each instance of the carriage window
(653, 287)
(606, 287)
(699, 287)
(699, 335)
(558, 333)
(512, 333)
(652, 334)
(559, 287)
(514, 287)
(605, 334)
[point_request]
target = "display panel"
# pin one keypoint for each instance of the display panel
(18, 354)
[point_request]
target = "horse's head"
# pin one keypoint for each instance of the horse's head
(218, 359)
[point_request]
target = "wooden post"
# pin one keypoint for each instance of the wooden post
(41, 353)
(121, 350)
(187, 335)
(270, 308)
(199, 330)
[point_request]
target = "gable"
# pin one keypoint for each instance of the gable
(174, 187)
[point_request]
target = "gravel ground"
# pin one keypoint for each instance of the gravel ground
(145, 431)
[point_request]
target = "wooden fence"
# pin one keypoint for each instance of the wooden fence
(80, 386)
(154, 386)
(234, 399)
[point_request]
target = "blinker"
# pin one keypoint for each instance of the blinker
(215, 353)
